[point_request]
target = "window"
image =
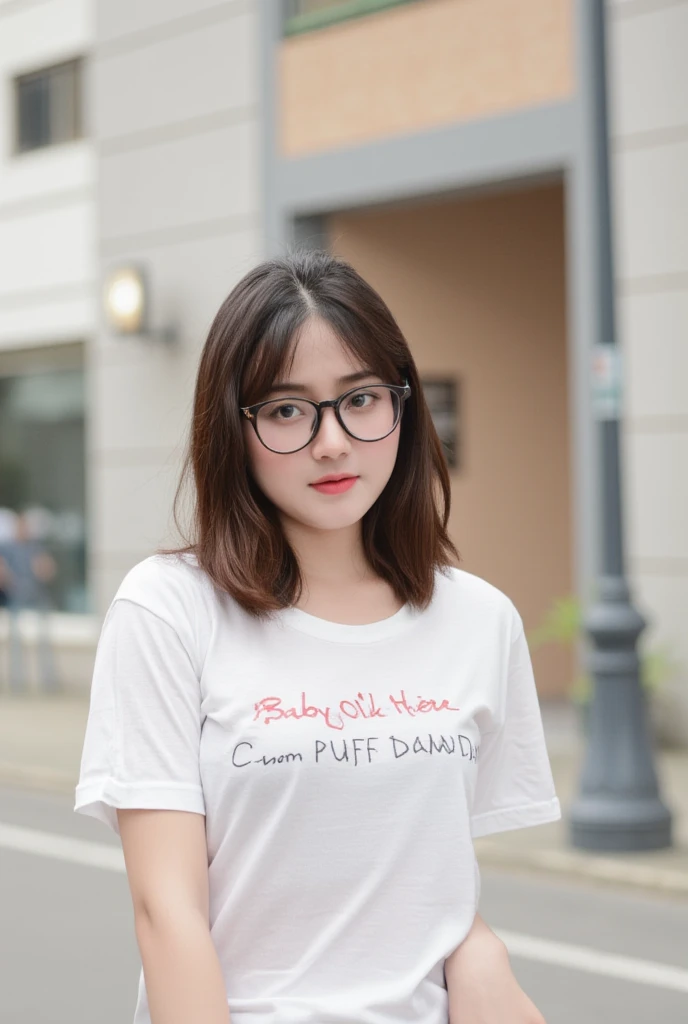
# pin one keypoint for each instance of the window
(48, 106)
(443, 403)
(307, 15)
(42, 468)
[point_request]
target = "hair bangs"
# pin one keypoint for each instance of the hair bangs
(362, 343)
(272, 356)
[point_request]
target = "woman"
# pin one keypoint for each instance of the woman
(300, 720)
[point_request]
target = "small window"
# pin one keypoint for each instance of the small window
(48, 106)
(443, 402)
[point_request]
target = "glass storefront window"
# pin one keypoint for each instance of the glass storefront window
(42, 471)
(308, 15)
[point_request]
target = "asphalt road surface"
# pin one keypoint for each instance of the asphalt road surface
(68, 953)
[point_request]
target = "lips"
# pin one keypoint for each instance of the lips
(333, 478)
(334, 484)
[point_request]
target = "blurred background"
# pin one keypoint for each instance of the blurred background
(152, 151)
(436, 144)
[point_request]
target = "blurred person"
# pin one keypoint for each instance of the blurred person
(301, 719)
(26, 570)
(7, 521)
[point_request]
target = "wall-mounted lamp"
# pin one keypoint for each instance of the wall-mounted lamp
(126, 303)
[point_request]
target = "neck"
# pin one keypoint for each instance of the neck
(328, 556)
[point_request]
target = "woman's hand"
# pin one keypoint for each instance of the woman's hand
(481, 985)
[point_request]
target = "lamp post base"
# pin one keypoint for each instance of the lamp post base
(618, 806)
(613, 825)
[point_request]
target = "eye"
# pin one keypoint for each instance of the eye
(362, 400)
(285, 412)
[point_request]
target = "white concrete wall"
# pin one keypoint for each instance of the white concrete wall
(175, 109)
(47, 198)
(649, 76)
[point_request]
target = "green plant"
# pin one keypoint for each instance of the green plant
(563, 623)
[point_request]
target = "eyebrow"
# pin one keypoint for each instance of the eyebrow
(350, 378)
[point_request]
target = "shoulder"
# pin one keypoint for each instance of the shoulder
(480, 604)
(157, 575)
(173, 587)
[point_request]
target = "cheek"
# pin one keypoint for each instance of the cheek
(271, 471)
(382, 456)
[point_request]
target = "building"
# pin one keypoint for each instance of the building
(48, 286)
(443, 147)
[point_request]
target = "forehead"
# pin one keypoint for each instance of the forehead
(318, 352)
(314, 356)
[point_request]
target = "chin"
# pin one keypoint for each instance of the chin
(329, 519)
(339, 521)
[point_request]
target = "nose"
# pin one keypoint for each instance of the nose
(331, 441)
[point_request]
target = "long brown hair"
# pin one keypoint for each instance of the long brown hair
(237, 537)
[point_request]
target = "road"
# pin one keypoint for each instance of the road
(68, 953)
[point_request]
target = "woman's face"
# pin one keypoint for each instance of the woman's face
(319, 372)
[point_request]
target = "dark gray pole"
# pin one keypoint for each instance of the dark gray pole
(618, 806)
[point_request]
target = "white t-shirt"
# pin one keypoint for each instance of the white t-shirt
(343, 771)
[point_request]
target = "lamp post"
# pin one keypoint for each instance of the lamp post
(618, 806)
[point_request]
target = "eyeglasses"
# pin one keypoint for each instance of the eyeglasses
(286, 425)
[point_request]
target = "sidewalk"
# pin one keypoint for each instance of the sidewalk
(546, 849)
(40, 747)
(41, 740)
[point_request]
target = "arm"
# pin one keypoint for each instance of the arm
(514, 789)
(480, 983)
(166, 859)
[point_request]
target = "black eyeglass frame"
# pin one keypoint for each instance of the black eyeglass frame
(251, 413)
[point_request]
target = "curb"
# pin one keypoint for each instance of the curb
(587, 867)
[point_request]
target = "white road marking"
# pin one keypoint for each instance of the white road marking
(544, 951)
(594, 961)
(48, 844)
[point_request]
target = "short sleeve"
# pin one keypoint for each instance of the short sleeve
(514, 787)
(141, 747)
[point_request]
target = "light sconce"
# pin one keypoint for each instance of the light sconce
(126, 302)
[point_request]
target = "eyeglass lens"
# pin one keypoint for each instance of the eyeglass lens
(286, 425)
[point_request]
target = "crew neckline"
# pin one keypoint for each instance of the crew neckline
(341, 632)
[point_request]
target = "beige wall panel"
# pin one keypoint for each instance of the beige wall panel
(649, 89)
(649, 78)
(156, 379)
(157, 389)
(141, 90)
(662, 598)
(653, 331)
(651, 212)
(52, 320)
(194, 180)
(419, 66)
(133, 505)
(38, 34)
(656, 492)
(132, 18)
(478, 289)
(47, 250)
